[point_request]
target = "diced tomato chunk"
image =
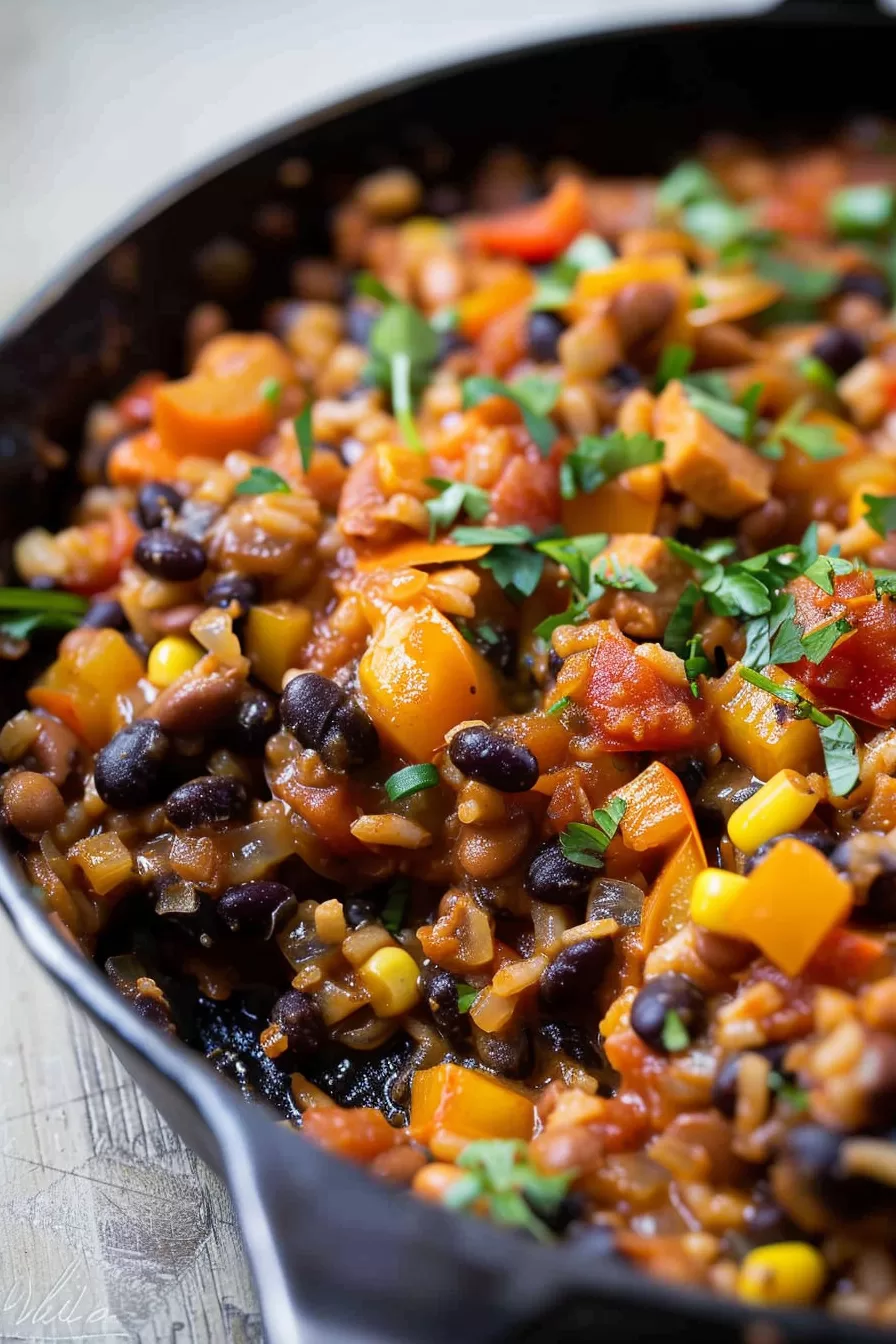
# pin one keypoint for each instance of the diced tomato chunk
(632, 707)
(859, 674)
(536, 232)
(527, 492)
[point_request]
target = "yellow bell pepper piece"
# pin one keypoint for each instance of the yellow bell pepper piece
(758, 729)
(790, 901)
(451, 1106)
(276, 634)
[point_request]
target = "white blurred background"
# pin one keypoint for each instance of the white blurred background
(104, 101)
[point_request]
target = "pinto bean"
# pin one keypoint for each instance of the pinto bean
(196, 704)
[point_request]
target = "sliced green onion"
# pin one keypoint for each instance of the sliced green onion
(559, 705)
(412, 779)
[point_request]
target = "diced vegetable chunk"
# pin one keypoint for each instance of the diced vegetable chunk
(451, 1106)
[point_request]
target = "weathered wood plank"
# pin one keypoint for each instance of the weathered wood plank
(110, 1228)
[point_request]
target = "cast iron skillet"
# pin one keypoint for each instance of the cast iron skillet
(332, 1252)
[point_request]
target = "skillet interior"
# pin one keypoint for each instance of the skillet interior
(598, 101)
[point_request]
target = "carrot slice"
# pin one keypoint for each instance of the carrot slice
(225, 405)
(475, 311)
(139, 459)
(413, 554)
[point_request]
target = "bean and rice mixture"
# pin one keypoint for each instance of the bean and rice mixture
(498, 651)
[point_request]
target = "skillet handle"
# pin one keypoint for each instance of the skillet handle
(819, 10)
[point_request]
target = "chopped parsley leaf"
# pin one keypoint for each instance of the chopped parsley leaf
(304, 436)
(454, 498)
(262, 481)
(881, 513)
(500, 1177)
(466, 996)
(556, 282)
(674, 362)
(396, 903)
(596, 461)
(586, 845)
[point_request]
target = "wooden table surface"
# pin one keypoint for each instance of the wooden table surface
(110, 1228)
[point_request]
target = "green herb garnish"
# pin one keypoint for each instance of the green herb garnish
(674, 362)
(585, 844)
(675, 1034)
(516, 567)
(596, 461)
(559, 705)
(881, 513)
(499, 1175)
(270, 391)
(688, 183)
(466, 996)
(392, 914)
(455, 497)
(412, 779)
(39, 609)
(403, 348)
(557, 282)
(863, 211)
(368, 286)
(817, 441)
(262, 481)
(304, 436)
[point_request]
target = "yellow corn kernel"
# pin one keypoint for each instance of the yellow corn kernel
(171, 658)
(787, 1273)
(712, 896)
(781, 805)
(390, 978)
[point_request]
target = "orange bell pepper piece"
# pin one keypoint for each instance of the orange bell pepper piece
(657, 810)
(451, 1106)
(419, 678)
(476, 310)
(222, 407)
(630, 503)
(536, 232)
(667, 907)
(139, 459)
(789, 903)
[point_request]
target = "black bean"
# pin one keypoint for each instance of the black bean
(440, 989)
(558, 1217)
(493, 760)
(170, 555)
(726, 787)
(543, 331)
(321, 716)
(450, 342)
(840, 349)
(498, 647)
(692, 773)
(555, 662)
(554, 878)
(254, 720)
(667, 993)
(156, 502)
(359, 910)
(42, 583)
(575, 974)
(256, 908)
(299, 1016)
(814, 1153)
(130, 770)
(624, 377)
(508, 1053)
(766, 1223)
(879, 909)
(360, 318)
(238, 588)
(867, 283)
(105, 614)
(140, 646)
(724, 1086)
(823, 841)
(569, 1038)
(200, 802)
